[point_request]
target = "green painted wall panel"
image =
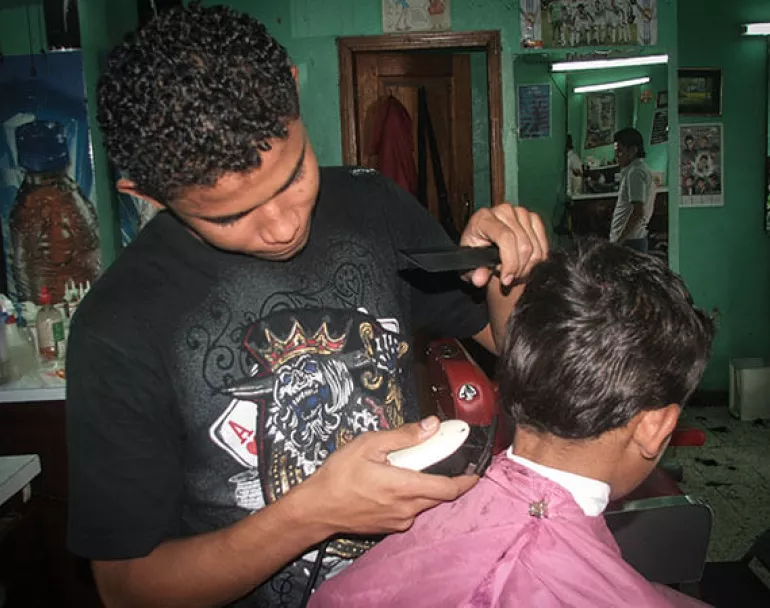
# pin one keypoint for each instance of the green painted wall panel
(724, 252)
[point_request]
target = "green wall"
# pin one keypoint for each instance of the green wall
(14, 27)
(724, 252)
(541, 161)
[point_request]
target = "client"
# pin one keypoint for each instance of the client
(603, 349)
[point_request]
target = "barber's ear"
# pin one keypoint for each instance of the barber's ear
(295, 74)
(654, 430)
(126, 186)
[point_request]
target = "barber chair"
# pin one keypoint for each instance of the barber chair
(661, 532)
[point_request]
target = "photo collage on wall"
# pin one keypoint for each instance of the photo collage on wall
(47, 170)
(700, 165)
(416, 16)
(578, 23)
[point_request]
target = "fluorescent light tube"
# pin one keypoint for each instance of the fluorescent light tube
(608, 86)
(757, 29)
(603, 64)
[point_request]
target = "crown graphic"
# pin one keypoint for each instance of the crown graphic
(277, 352)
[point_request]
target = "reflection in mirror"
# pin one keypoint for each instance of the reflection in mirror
(585, 121)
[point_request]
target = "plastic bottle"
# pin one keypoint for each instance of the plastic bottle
(21, 357)
(4, 359)
(53, 226)
(50, 328)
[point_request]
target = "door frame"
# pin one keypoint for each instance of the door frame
(488, 41)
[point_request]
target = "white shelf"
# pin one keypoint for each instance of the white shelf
(16, 472)
(38, 386)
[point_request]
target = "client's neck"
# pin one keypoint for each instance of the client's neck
(585, 457)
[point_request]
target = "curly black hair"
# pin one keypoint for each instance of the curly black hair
(197, 93)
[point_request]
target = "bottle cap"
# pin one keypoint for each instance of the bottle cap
(42, 146)
(45, 296)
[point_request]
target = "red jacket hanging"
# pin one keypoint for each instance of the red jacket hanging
(393, 143)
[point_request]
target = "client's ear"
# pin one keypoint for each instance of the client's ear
(654, 430)
(126, 186)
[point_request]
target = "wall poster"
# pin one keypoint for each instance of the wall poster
(700, 165)
(576, 23)
(600, 120)
(416, 15)
(534, 111)
(659, 134)
(49, 224)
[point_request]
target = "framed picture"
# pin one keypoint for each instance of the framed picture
(700, 91)
(600, 120)
(659, 132)
(582, 23)
(662, 99)
(701, 165)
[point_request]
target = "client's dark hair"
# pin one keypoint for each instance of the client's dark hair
(631, 138)
(600, 333)
(196, 93)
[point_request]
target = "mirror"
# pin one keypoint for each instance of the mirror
(580, 201)
(767, 162)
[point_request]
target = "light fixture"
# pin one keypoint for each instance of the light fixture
(603, 64)
(609, 86)
(756, 29)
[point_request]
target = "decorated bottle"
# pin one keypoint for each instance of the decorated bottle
(53, 226)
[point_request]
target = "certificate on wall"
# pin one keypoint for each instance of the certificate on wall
(576, 23)
(534, 111)
(700, 165)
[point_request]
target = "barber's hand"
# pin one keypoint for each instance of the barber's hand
(358, 491)
(517, 232)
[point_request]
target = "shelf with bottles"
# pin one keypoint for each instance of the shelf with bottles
(33, 340)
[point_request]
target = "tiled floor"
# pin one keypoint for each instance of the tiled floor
(732, 473)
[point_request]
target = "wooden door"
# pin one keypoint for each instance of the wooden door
(447, 81)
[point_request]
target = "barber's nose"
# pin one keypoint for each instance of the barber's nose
(278, 225)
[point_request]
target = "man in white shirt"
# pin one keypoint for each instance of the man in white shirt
(574, 169)
(636, 196)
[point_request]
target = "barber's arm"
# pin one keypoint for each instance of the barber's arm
(522, 240)
(355, 492)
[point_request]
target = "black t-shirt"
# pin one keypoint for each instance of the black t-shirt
(202, 384)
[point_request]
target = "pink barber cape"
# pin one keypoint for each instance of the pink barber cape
(516, 539)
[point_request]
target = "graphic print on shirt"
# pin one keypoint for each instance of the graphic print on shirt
(314, 384)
